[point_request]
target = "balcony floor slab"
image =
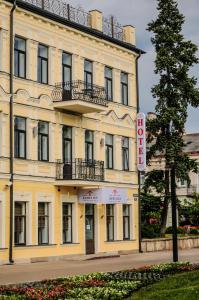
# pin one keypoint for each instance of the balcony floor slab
(79, 106)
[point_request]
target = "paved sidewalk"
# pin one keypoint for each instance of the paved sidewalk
(46, 270)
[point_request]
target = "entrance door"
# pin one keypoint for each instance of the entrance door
(89, 228)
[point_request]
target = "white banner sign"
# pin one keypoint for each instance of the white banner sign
(114, 195)
(141, 141)
(103, 196)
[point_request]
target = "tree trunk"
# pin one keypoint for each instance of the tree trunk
(165, 205)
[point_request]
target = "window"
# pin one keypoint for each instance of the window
(110, 222)
(67, 223)
(109, 151)
(20, 137)
(182, 183)
(43, 223)
(20, 223)
(66, 67)
(89, 146)
(88, 74)
(126, 221)
(43, 142)
(125, 153)
(124, 88)
(42, 64)
(108, 83)
(20, 57)
(67, 144)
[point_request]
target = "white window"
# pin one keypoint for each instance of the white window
(69, 213)
(45, 219)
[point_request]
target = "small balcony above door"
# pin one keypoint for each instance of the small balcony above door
(80, 172)
(79, 97)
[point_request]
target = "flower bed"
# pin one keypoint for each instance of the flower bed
(98, 286)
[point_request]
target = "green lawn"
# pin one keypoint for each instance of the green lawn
(183, 286)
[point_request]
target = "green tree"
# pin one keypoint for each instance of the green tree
(175, 91)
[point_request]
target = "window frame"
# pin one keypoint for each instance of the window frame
(125, 150)
(24, 218)
(17, 133)
(70, 140)
(86, 73)
(124, 85)
(46, 216)
(71, 222)
(66, 66)
(107, 80)
(19, 52)
(110, 217)
(128, 220)
(40, 144)
(40, 59)
(107, 150)
(87, 144)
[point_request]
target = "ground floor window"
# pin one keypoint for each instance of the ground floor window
(67, 222)
(43, 223)
(110, 222)
(20, 223)
(126, 221)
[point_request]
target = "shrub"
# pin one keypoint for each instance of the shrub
(194, 231)
(180, 230)
(151, 231)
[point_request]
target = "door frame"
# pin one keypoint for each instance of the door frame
(94, 226)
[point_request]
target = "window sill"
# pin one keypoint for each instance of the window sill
(29, 246)
(69, 244)
(119, 241)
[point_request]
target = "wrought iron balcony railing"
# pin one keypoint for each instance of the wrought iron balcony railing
(80, 169)
(111, 27)
(79, 90)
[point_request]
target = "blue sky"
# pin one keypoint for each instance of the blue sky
(139, 13)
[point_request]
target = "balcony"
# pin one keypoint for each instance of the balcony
(79, 171)
(79, 97)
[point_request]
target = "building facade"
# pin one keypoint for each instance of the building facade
(74, 133)
(183, 190)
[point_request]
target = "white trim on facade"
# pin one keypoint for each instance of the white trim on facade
(27, 198)
(74, 201)
(47, 198)
(2, 220)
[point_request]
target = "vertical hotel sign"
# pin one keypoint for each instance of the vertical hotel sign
(141, 141)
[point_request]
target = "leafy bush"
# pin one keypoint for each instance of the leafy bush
(150, 231)
(180, 230)
(97, 286)
(194, 231)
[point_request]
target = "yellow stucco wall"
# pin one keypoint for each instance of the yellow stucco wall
(32, 100)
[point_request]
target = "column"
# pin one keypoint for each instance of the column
(97, 138)
(31, 65)
(4, 50)
(116, 86)
(117, 152)
(52, 142)
(131, 90)
(132, 155)
(51, 65)
(78, 143)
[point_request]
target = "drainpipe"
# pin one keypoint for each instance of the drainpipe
(139, 173)
(11, 131)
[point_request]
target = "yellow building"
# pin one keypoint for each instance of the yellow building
(74, 137)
